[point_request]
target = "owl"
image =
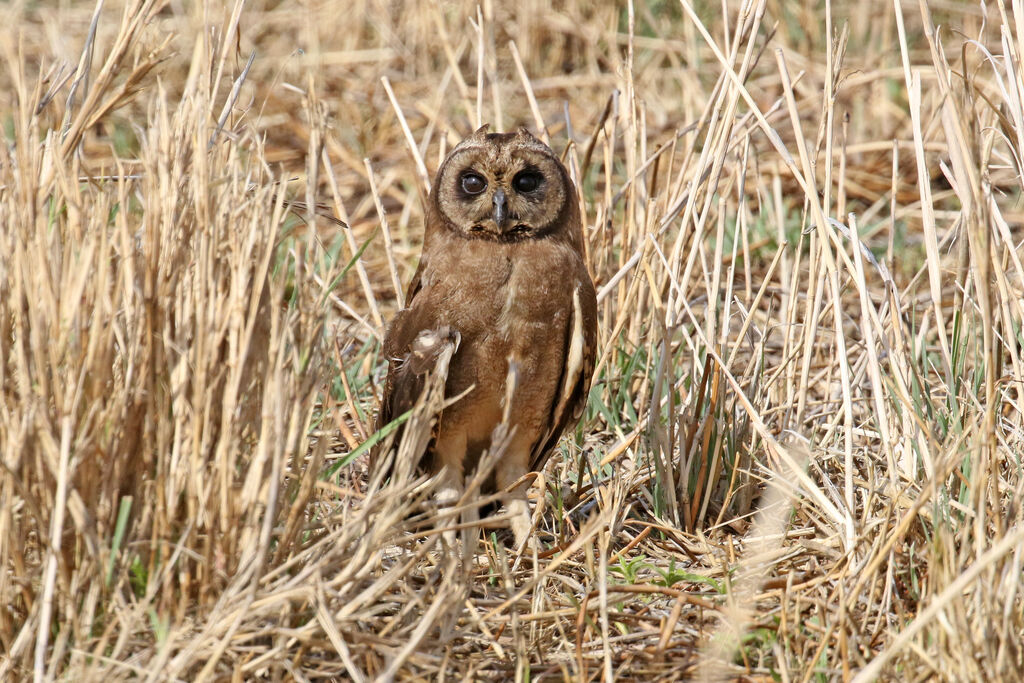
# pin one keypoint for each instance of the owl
(502, 280)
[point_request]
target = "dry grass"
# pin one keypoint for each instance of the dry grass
(802, 455)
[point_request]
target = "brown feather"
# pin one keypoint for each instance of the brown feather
(512, 286)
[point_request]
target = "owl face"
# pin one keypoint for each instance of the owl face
(503, 187)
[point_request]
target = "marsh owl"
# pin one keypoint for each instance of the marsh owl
(503, 279)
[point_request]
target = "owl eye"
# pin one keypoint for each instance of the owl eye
(527, 181)
(473, 183)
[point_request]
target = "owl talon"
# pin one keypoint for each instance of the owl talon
(427, 347)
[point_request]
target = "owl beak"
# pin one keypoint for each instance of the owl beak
(500, 208)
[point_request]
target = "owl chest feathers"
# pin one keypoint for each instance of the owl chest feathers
(504, 295)
(510, 303)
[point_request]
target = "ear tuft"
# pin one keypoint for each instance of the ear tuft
(523, 132)
(480, 132)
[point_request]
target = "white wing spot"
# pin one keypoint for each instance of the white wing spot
(574, 363)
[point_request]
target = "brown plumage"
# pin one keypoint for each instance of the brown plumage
(502, 278)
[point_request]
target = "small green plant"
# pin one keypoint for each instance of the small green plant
(629, 569)
(672, 575)
(115, 545)
(161, 626)
(138, 576)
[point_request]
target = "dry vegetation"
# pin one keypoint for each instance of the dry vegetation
(802, 454)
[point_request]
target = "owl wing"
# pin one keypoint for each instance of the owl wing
(413, 345)
(404, 381)
(579, 350)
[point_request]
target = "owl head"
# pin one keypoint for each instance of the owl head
(504, 187)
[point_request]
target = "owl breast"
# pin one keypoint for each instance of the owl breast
(508, 302)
